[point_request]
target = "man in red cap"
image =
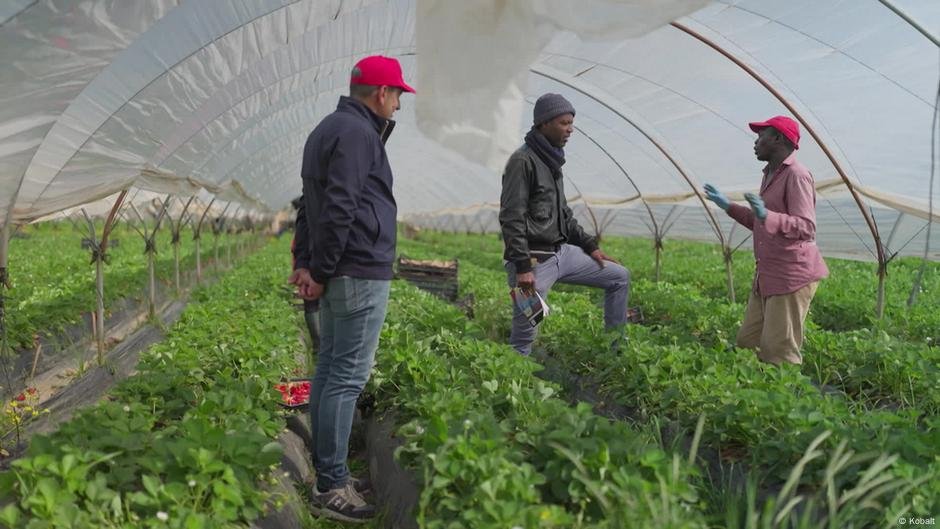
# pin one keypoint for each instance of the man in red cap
(789, 265)
(351, 215)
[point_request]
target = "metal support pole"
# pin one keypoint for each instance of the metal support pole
(4, 285)
(228, 245)
(880, 303)
(150, 248)
(142, 231)
(176, 227)
(98, 259)
(99, 255)
(910, 20)
(152, 293)
(658, 243)
(110, 222)
(99, 324)
(894, 230)
(176, 265)
(729, 272)
(4, 278)
(198, 261)
(197, 238)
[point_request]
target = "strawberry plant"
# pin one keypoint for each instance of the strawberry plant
(496, 448)
(187, 441)
(53, 283)
(683, 363)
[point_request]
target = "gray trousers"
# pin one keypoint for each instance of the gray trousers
(571, 265)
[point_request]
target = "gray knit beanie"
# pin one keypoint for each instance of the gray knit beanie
(549, 107)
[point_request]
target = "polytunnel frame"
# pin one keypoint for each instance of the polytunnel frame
(910, 20)
(658, 237)
(162, 157)
(99, 249)
(912, 297)
(217, 148)
(584, 88)
(872, 226)
(315, 29)
(639, 195)
(58, 122)
(5, 229)
(318, 28)
(568, 80)
(197, 240)
(4, 238)
(150, 249)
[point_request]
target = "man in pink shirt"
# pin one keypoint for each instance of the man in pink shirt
(789, 265)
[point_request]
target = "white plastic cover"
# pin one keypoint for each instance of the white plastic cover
(219, 95)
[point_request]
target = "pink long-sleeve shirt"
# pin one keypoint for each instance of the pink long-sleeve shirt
(784, 242)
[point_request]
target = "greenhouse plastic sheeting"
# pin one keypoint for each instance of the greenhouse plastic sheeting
(100, 95)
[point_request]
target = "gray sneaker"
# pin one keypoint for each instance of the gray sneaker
(343, 504)
(363, 486)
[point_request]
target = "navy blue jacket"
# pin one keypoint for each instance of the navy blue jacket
(350, 210)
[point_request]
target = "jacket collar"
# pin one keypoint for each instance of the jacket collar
(381, 125)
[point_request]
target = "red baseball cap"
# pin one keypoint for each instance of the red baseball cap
(378, 70)
(786, 126)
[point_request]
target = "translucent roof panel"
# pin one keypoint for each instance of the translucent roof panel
(218, 97)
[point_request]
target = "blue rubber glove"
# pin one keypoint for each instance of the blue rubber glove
(712, 193)
(757, 205)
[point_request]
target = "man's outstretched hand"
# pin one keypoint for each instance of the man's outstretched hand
(757, 205)
(712, 193)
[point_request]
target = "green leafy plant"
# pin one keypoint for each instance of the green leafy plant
(189, 440)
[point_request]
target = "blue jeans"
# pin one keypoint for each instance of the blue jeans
(351, 315)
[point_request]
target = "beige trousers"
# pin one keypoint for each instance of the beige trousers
(774, 325)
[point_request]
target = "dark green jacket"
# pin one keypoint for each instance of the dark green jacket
(533, 211)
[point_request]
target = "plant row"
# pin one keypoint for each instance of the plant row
(187, 442)
(877, 369)
(845, 300)
(53, 278)
(494, 447)
(684, 366)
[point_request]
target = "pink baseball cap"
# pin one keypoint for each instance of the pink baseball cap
(786, 126)
(379, 70)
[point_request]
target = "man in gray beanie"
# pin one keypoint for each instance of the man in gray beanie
(544, 242)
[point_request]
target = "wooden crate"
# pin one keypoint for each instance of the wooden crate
(436, 277)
